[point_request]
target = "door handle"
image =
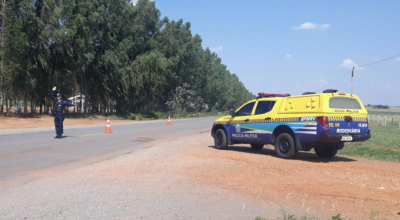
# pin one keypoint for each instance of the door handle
(246, 120)
(268, 118)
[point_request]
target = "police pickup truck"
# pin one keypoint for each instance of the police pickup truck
(323, 122)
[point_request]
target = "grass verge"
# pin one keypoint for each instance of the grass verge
(383, 145)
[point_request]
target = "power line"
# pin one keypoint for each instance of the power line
(335, 80)
(392, 57)
(368, 64)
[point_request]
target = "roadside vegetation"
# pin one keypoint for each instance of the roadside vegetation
(155, 115)
(287, 216)
(373, 215)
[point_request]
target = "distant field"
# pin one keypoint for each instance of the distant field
(392, 110)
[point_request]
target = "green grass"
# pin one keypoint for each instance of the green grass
(383, 145)
(374, 215)
(287, 216)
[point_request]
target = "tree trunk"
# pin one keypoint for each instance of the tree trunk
(33, 108)
(9, 106)
(26, 105)
(86, 99)
(3, 21)
(104, 109)
(41, 106)
(46, 107)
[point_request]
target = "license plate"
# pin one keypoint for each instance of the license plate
(347, 138)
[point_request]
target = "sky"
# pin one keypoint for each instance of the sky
(301, 46)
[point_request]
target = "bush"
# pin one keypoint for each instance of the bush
(152, 114)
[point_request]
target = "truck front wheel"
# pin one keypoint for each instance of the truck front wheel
(284, 146)
(220, 139)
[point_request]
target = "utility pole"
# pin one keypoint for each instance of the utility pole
(352, 81)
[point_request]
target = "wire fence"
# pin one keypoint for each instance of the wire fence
(383, 120)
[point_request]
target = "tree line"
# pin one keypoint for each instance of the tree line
(118, 55)
(378, 106)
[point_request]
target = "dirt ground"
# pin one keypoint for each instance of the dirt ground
(356, 188)
(48, 121)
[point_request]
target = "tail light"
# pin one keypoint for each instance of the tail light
(367, 122)
(323, 120)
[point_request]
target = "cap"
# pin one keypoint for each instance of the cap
(59, 94)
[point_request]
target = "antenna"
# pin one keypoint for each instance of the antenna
(352, 81)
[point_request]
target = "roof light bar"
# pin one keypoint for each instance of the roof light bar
(264, 95)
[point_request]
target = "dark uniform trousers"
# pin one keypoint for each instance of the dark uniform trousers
(58, 121)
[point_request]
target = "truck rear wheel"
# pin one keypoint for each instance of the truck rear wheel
(220, 139)
(326, 151)
(284, 146)
(257, 146)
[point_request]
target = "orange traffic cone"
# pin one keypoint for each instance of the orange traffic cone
(108, 127)
(169, 120)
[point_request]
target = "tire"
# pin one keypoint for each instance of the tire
(284, 146)
(257, 146)
(220, 139)
(326, 151)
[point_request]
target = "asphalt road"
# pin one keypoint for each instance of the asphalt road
(30, 154)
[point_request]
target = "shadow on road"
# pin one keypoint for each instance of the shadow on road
(66, 136)
(301, 155)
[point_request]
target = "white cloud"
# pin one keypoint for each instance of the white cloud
(348, 64)
(319, 82)
(325, 26)
(216, 49)
(309, 25)
(398, 58)
(387, 86)
(323, 81)
(288, 56)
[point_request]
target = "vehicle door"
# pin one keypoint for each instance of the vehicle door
(240, 125)
(261, 125)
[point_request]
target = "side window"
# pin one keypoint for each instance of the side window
(264, 107)
(246, 110)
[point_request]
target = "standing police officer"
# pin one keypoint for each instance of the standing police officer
(58, 112)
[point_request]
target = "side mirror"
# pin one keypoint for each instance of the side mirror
(232, 113)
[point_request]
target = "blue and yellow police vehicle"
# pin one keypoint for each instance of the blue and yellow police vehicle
(323, 122)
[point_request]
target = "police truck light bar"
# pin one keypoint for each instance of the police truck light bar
(261, 94)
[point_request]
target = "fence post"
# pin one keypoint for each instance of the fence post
(385, 120)
(378, 120)
(392, 121)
